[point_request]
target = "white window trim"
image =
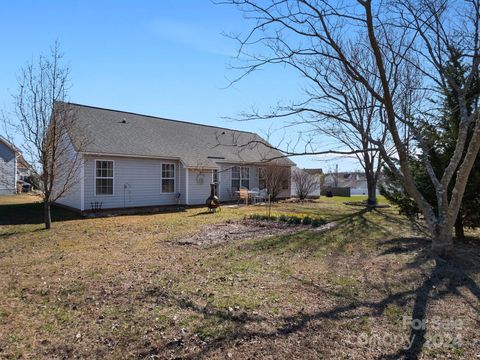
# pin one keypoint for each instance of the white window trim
(174, 177)
(95, 178)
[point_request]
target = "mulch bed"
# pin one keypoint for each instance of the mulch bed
(244, 229)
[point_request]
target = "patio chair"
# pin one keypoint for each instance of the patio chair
(253, 192)
(243, 195)
(262, 195)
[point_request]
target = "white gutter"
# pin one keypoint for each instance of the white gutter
(131, 156)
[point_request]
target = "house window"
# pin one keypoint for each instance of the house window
(215, 176)
(104, 177)
(168, 178)
(262, 181)
(240, 177)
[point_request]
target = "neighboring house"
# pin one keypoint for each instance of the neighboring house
(24, 170)
(356, 181)
(9, 155)
(133, 160)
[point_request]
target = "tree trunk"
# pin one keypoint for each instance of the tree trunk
(459, 231)
(372, 192)
(370, 176)
(442, 242)
(46, 215)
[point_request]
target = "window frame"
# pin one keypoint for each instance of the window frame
(240, 176)
(174, 178)
(102, 177)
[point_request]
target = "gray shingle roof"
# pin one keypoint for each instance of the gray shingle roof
(123, 133)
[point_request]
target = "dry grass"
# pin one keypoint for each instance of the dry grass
(119, 288)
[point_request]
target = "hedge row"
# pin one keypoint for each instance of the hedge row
(291, 219)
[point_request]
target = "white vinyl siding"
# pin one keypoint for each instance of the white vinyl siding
(198, 186)
(72, 197)
(7, 170)
(137, 183)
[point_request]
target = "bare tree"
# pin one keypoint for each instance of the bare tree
(275, 178)
(345, 110)
(410, 43)
(305, 183)
(45, 124)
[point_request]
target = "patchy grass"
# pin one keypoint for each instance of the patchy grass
(118, 287)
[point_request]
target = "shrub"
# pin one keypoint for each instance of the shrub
(290, 219)
(294, 220)
(318, 222)
(307, 220)
(262, 217)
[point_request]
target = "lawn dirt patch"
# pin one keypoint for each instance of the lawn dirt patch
(243, 229)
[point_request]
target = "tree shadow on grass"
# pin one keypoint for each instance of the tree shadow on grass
(202, 213)
(415, 224)
(440, 279)
(445, 278)
(32, 213)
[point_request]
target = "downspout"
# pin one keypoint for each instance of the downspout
(15, 171)
(186, 187)
(82, 184)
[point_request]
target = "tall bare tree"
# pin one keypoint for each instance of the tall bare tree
(410, 43)
(45, 123)
(339, 108)
(344, 110)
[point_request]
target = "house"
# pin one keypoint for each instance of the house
(24, 169)
(9, 156)
(356, 181)
(134, 160)
(14, 169)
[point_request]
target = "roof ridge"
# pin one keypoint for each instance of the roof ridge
(158, 118)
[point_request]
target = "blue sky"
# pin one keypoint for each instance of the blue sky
(165, 58)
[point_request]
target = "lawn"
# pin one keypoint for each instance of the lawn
(120, 287)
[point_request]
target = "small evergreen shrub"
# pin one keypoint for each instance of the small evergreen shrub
(294, 220)
(307, 220)
(318, 222)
